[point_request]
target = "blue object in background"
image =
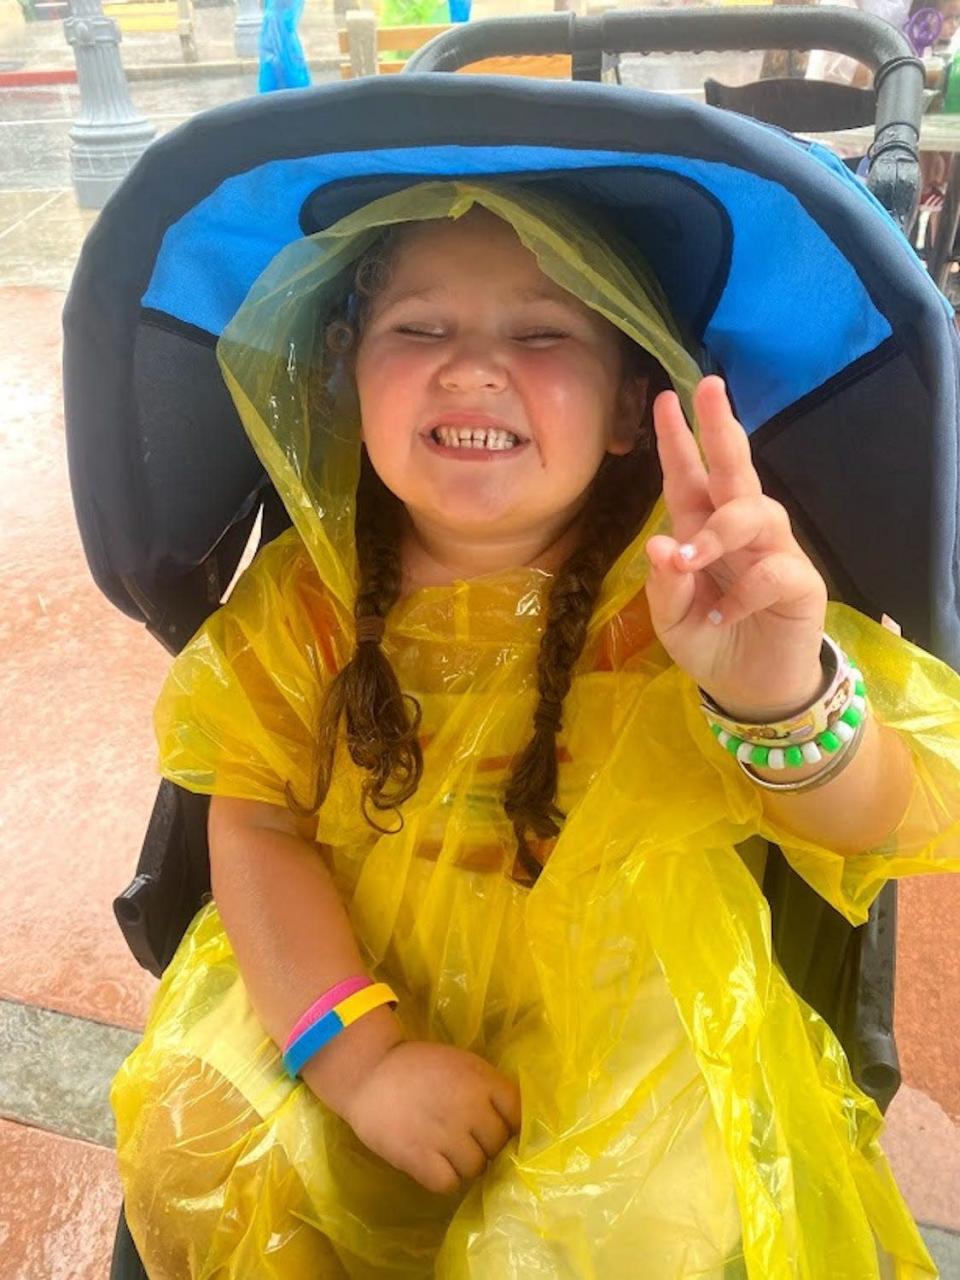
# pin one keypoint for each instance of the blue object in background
(459, 10)
(282, 62)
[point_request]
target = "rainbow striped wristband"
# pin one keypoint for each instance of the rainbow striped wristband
(318, 1026)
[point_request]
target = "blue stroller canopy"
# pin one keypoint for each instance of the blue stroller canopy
(840, 354)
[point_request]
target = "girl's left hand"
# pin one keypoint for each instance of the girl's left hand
(733, 598)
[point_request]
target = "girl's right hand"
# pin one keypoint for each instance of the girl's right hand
(435, 1112)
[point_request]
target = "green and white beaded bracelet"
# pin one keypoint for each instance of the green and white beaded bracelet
(763, 753)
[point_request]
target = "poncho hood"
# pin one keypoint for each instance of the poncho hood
(313, 457)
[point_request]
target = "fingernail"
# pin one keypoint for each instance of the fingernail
(715, 616)
(687, 551)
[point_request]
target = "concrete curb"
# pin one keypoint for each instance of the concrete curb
(228, 67)
(154, 71)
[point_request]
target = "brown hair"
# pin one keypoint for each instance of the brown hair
(381, 722)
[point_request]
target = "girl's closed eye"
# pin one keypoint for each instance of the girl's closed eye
(542, 335)
(418, 331)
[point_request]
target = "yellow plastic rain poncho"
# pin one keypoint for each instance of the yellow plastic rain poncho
(684, 1114)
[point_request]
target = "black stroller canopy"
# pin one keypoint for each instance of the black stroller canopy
(840, 354)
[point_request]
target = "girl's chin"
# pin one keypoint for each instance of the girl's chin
(438, 527)
(465, 525)
(466, 510)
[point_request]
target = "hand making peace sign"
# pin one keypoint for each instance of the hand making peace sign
(733, 598)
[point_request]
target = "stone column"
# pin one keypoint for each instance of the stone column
(246, 28)
(108, 135)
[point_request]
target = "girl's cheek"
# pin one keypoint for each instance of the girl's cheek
(565, 366)
(391, 369)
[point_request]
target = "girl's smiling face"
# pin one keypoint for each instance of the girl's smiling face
(468, 334)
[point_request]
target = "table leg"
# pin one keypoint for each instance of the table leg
(941, 254)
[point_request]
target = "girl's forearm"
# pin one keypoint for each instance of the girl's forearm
(861, 807)
(292, 938)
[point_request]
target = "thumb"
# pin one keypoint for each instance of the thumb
(670, 591)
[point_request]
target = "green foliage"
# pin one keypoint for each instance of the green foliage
(413, 13)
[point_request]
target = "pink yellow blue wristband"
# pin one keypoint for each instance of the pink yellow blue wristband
(325, 1003)
(336, 1009)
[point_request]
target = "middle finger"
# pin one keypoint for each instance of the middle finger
(491, 1132)
(725, 446)
(467, 1156)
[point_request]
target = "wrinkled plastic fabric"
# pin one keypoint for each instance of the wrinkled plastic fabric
(684, 1114)
(282, 61)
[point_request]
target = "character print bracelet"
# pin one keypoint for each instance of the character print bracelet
(826, 732)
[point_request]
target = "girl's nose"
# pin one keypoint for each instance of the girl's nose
(473, 366)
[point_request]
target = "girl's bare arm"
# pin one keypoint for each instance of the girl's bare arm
(860, 808)
(435, 1112)
(291, 936)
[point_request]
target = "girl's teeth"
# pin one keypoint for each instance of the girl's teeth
(474, 439)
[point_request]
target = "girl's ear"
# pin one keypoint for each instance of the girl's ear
(629, 413)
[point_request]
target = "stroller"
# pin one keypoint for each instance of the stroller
(840, 355)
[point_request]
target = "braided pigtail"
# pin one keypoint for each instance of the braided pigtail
(622, 494)
(381, 721)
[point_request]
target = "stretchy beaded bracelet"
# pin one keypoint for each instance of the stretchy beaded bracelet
(834, 766)
(759, 750)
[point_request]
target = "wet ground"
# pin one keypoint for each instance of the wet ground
(35, 122)
(76, 754)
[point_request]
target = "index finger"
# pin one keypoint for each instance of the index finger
(731, 473)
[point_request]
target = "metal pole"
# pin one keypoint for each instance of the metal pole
(188, 43)
(108, 135)
(246, 28)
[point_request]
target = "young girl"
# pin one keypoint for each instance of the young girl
(493, 755)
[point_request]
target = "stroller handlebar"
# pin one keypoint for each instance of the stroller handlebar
(693, 30)
(894, 172)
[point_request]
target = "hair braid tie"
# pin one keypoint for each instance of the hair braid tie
(370, 629)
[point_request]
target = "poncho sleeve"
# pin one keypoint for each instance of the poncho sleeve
(236, 715)
(918, 696)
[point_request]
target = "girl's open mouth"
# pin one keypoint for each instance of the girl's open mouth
(476, 444)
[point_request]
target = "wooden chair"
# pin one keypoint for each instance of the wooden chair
(362, 42)
(156, 16)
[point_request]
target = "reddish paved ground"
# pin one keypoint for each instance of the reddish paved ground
(77, 754)
(928, 993)
(58, 1223)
